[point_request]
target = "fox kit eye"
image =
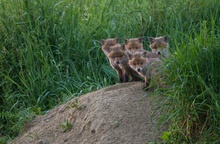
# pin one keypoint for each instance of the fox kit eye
(141, 63)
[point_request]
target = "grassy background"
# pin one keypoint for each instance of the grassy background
(50, 53)
(193, 93)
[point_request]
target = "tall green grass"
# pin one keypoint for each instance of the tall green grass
(50, 52)
(193, 95)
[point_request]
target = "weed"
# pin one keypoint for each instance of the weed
(66, 126)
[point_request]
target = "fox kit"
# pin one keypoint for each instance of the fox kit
(133, 45)
(159, 45)
(146, 65)
(107, 46)
(108, 43)
(119, 57)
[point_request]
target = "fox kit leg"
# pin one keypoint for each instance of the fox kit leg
(118, 70)
(120, 74)
(133, 74)
(125, 76)
(147, 83)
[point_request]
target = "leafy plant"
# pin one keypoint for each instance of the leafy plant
(66, 126)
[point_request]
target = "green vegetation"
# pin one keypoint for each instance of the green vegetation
(50, 53)
(66, 126)
(193, 94)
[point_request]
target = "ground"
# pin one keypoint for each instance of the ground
(118, 114)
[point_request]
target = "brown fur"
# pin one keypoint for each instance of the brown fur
(144, 54)
(119, 57)
(159, 45)
(108, 43)
(133, 45)
(107, 46)
(145, 66)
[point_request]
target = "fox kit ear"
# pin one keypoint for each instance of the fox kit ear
(165, 38)
(126, 41)
(102, 41)
(140, 39)
(117, 40)
(129, 55)
(151, 40)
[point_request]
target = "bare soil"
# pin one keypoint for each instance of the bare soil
(118, 114)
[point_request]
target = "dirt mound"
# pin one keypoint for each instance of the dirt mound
(119, 114)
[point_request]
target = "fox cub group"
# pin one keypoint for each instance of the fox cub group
(131, 61)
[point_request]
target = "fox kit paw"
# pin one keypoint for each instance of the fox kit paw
(121, 80)
(137, 79)
(126, 78)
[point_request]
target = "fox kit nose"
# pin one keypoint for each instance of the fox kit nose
(117, 62)
(159, 53)
(138, 69)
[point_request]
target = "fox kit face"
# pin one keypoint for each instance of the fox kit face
(133, 45)
(159, 45)
(145, 66)
(117, 56)
(108, 43)
(141, 61)
(138, 63)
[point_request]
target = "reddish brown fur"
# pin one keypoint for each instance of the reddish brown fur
(107, 46)
(133, 45)
(119, 57)
(144, 54)
(108, 43)
(116, 54)
(159, 45)
(145, 66)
